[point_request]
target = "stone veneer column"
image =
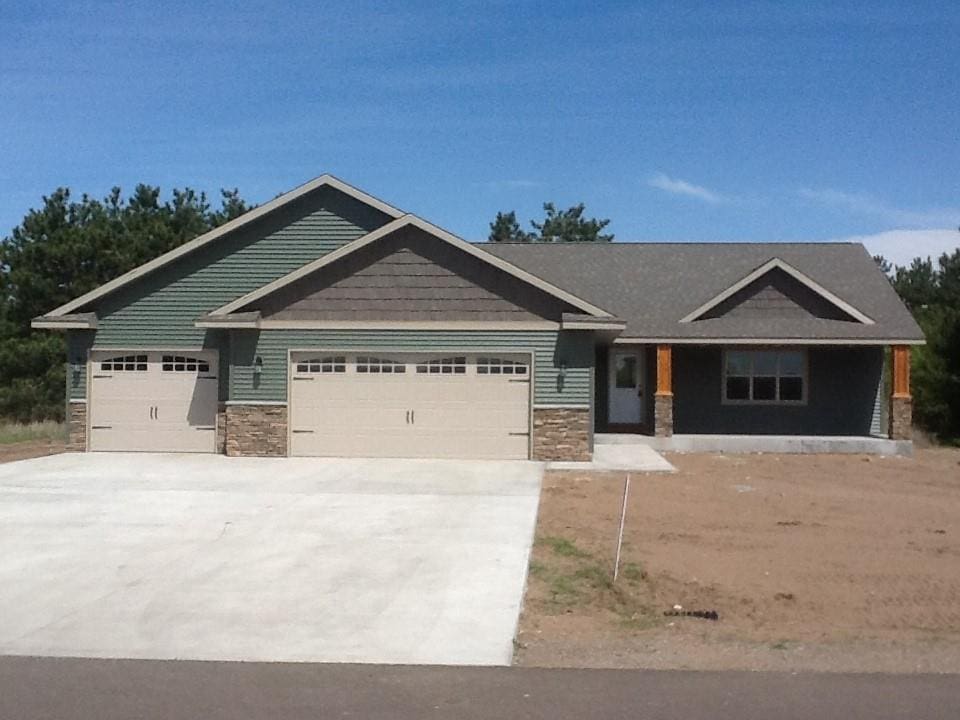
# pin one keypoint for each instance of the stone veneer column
(222, 428)
(257, 430)
(561, 434)
(76, 427)
(663, 400)
(901, 402)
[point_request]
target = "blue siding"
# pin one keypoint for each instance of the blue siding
(841, 395)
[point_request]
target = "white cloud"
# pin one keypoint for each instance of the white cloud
(864, 204)
(682, 187)
(901, 246)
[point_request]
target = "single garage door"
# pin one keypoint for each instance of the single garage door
(157, 401)
(400, 405)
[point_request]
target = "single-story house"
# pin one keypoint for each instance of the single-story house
(329, 323)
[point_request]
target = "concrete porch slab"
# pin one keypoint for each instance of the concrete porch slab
(790, 444)
(633, 457)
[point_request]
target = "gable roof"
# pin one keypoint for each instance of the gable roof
(654, 286)
(438, 233)
(768, 267)
(208, 237)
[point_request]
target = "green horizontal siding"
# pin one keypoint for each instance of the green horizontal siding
(78, 344)
(551, 349)
(160, 309)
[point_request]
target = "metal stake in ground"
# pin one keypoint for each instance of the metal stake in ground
(623, 517)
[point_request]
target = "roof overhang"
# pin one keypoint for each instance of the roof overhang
(236, 223)
(77, 321)
(778, 264)
(245, 321)
(576, 321)
(766, 341)
(413, 221)
(254, 321)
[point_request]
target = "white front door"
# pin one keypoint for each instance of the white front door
(625, 384)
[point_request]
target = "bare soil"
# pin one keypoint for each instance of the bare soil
(29, 449)
(847, 563)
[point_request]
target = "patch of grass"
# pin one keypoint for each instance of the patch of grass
(633, 572)
(18, 432)
(781, 645)
(564, 547)
(537, 569)
(573, 578)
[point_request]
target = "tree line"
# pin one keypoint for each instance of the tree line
(70, 246)
(67, 248)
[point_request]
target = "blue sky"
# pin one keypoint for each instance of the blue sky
(676, 120)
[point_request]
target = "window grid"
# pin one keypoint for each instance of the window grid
(370, 364)
(757, 377)
(184, 363)
(443, 366)
(329, 364)
(500, 366)
(125, 363)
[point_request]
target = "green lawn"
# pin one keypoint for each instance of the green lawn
(18, 432)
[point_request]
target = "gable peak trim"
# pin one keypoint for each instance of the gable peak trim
(410, 220)
(776, 263)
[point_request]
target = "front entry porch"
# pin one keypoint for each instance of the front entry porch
(633, 390)
(733, 444)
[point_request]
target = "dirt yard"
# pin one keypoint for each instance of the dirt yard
(843, 563)
(29, 449)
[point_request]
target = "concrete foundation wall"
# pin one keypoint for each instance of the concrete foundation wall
(789, 444)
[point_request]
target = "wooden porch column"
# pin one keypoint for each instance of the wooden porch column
(663, 399)
(901, 402)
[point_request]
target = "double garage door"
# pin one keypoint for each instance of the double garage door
(164, 401)
(407, 405)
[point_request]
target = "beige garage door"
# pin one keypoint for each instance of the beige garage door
(400, 405)
(153, 401)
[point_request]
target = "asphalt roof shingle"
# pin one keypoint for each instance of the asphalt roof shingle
(653, 285)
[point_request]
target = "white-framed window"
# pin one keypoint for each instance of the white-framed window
(125, 363)
(328, 364)
(765, 377)
(443, 366)
(370, 364)
(184, 363)
(500, 366)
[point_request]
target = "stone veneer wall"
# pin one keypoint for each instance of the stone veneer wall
(901, 418)
(222, 428)
(77, 427)
(561, 434)
(259, 430)
(663, 415)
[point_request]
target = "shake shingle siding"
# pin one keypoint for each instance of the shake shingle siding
(410, 275)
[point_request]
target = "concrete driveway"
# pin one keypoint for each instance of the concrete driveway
(208, 557)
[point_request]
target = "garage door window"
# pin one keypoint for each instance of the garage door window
(125, 363)
(443, 366)
(184, 363)
(500, 366)
(329, 364)
(369, 364)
